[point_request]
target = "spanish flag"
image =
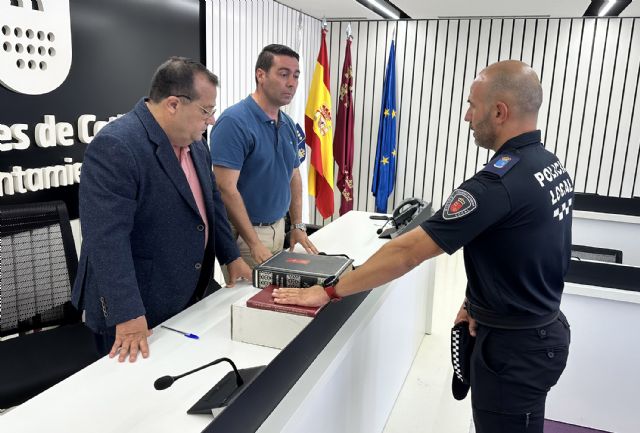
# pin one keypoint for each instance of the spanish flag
(319, 131)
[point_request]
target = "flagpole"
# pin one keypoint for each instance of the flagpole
(296, 111)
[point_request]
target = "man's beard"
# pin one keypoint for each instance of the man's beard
(485, 136)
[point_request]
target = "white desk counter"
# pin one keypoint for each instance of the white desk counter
(355, 377)
(599, 388)
(109, 396)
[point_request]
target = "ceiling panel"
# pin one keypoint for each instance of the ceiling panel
(351, 9)
(633, 10)
(332, 9)
(448, 8)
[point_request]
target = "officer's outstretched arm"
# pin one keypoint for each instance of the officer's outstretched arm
(393, 260)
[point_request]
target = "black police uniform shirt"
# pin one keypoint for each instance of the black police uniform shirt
(513, 219)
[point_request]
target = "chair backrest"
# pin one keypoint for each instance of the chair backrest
(38, 264)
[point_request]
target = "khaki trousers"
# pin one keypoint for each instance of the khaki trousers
(271, 237)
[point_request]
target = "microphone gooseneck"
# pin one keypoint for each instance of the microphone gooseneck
(381, 229)
(165, 382)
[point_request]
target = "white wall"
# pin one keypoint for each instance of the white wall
(77, 234)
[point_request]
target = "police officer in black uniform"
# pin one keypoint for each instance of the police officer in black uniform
(514, 219)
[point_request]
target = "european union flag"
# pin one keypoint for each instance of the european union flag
(384, 170)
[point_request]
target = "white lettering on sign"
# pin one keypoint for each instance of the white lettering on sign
(50, 133)
(13, 137)
(36, 179)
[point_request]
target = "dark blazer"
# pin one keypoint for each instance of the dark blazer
(143, 247)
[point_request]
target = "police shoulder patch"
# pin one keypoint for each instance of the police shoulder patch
(501, 164)
(299, 133)
(460, 203)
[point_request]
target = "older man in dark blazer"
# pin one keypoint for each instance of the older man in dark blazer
(151, 216)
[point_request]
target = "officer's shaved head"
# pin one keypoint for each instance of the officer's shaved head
(514, 83)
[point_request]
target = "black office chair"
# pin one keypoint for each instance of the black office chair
(38, 264)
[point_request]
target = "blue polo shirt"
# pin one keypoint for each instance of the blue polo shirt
(246, 139)
(513, 219)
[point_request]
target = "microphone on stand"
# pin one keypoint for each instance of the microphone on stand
(381, 229)
(165, 382)
(222, 394)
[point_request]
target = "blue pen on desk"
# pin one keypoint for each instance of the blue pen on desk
(186, 334)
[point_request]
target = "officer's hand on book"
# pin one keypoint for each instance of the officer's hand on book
(314, 296)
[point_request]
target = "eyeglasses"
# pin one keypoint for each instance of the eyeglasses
(206, 113)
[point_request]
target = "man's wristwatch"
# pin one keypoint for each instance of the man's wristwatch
(299, 226)
(329, 285)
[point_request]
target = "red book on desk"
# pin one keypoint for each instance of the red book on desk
(263, 300)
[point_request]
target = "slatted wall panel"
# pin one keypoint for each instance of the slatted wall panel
(239, 29)
(589, 68)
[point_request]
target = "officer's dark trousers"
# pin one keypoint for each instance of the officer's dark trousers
(511, 374)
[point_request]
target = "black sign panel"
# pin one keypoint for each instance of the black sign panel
(116, 47)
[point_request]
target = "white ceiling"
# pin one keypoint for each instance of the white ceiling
(351, 9)
(332, 9)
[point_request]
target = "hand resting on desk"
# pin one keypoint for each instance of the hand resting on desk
(131, 338)
(238, 269)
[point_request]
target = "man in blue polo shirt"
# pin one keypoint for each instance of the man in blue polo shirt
(254, 148)
(513, 219)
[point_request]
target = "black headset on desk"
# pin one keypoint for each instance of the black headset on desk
(407, 215)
